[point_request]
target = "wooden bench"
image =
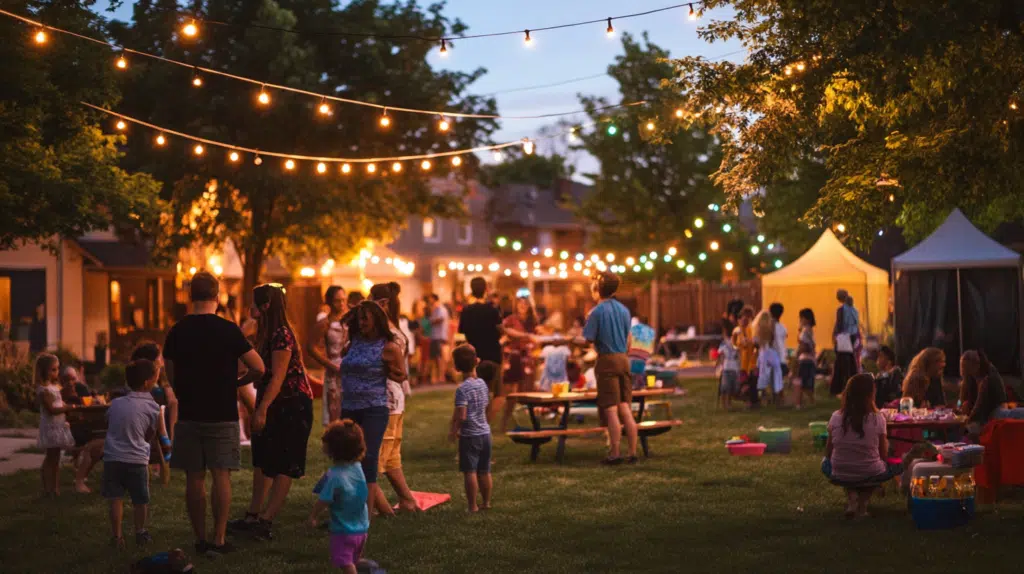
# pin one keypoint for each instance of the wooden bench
(535, 438)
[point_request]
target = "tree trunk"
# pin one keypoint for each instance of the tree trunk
(251, 268)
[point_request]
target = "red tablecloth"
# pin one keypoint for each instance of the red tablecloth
(1004, 454)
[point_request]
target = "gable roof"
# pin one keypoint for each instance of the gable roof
(827, 261)
(957, 243)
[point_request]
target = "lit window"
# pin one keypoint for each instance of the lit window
(431, 230)
(465, 234)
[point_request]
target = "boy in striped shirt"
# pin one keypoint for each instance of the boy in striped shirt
(469, 424)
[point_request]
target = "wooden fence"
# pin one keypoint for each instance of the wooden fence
(698, 303)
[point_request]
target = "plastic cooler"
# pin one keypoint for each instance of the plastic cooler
(818, 428)
(941, 513)
(746, 449)
(777, 441)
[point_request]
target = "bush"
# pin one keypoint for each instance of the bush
(18, 388)
(112, 377)
(10, 418)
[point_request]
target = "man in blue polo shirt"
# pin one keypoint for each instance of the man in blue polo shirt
(608, 328)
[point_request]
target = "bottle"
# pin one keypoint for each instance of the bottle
(906, 405)
(949, 490)
(933, 486)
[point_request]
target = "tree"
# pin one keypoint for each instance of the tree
(650, 192)
(534, 169)
(868, 114)
(59, 174)
(297, 214)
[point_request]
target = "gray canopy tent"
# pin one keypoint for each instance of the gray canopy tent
(957, 290)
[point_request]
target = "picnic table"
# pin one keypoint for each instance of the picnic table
(672, 346)
(89, 420)
(541, 435)
(924, 424)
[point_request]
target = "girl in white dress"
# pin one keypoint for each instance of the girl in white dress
(54, 431)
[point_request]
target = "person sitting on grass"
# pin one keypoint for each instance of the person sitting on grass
(469, 424)
(133, 420)
(343, 490)
(857, 446)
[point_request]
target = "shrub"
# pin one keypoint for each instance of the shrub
(17, 387)
(112, 377)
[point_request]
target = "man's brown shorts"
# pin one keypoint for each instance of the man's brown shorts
(614, 381)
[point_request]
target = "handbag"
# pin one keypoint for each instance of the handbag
(844, 343)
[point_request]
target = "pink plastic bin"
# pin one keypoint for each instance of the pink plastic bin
(747, 449)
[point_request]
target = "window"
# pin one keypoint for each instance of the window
(431, 230)
(465, 236)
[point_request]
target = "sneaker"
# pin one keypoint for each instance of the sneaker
(244, 524)
(609, 461)
(143, 538)
(262, 530)
(214, 551)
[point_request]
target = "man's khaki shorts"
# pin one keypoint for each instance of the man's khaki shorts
(614, 381)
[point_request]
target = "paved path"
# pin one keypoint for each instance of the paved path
(13, 440)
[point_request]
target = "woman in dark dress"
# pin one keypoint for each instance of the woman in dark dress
(283, 416)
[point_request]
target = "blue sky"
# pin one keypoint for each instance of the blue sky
(556, 55)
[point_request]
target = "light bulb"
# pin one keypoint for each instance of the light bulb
(425, 165)
(396, 167)
(263, 98)
(324, 109)
(371, 168)
(40, 37)
(693, 14)
(161, 140)
(321, 168)
(385, 121)
(1013, 105)
(527, 40)
(289, 164)
(650, 126)
(346, 168)
(444, 125)
(233, 156)
(841, 228)
(121, 125)
(456, 161)
(121, 63)
(800, 66)
(698, 223)
(611, 29)
(498, 156)
(612, 130)
(714, 246)
(257, 160)
(190, 29)
(199, 149)
(197, 81)
(728, 265)
(679, 113)
(444, 48)
(527, 147)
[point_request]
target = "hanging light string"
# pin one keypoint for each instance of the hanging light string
(694, 8)
(122, 64)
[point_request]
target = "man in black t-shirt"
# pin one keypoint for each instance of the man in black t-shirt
(480, 322)
(201, 356)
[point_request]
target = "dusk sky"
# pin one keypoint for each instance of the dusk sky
(557, 55)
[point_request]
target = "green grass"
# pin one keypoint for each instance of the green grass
(690, 508)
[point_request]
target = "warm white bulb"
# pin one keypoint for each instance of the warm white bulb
(233, 156)
(324, 109)
(444, 125)
(161, 140)
(444, 48)
(289, 165)
(258, 160)
(385, 121)
(197, 81)
(498, 156)
(190, 29)
(371, 168)
(679, 113)
(263, 98)
(199, 149)
(528, 147)
(40, 37)
(346, 168)
(611, 29)
(121, 125)
(321, 168)
(693, 14)
(456, 161)
(396, 167)
(528, 40)
(650, 126)
(121, 63)
(425, 165)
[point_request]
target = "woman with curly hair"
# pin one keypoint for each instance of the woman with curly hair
(923, 382)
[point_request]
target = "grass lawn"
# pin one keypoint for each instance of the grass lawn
(690, 508)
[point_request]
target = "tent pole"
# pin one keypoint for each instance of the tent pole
(959, 311)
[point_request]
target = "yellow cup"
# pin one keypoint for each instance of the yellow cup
(87, 401)
(652, 381)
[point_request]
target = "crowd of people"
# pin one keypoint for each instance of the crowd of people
(216, 386)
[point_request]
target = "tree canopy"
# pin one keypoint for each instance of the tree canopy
(266, 209)
(59, 173)
(867, 114)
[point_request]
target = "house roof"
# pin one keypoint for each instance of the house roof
(957, 243)
(119, 254)
(530, 206)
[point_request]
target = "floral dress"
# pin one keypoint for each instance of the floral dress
(54, 430)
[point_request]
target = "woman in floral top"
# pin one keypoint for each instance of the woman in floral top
(284, 413)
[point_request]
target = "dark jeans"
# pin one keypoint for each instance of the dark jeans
(374, 421)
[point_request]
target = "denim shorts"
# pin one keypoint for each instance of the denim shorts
(121, 477)
(475, 453)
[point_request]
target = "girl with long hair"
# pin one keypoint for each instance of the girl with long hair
(390, 459)
(283, 416)
(769, 363)
(923, 382)
(857, 446)
(806, 357)
(325, 345)
(520, 329)
(370, 360)
(54, 431)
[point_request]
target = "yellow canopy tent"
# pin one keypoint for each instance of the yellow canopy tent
(812, 281)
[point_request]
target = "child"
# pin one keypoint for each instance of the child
(132, 421)
(729, 379)
(54, 431)
(889, 379)
(743, 340)
(556, 357)
(806, 355)
(469, 423)
(344, 492)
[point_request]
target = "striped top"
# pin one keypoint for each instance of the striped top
(473, 394)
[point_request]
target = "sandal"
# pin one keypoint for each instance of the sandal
(612, 461)
(244, 524)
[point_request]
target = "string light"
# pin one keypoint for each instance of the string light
(263, 97)
(289, 164)
(527, 146)
(611, 29)
(197, 80)
(443, 125)
(800, 66)
(714, 246)
(190, 30)
(1013, 105)
(120, 125)
(702, 256)
(456, 161)
(679, 113)
(40, 36)
(497, 156)
(385, 121)
(841, 228)
(650, 126)
(698, 223)
(321, 168)
(755, 249)
(371, 168)
(425, 166)
(324, 108)
(778, 264)
(346, 168)
(258, 160)
(161, 140)
(727, 228)
(121, 63)
(444, 48)
(612, 130)
(728, 266)
(198, 149)
(396, 167)
(693, 14)
(527, 40)
(548, 252)
(672, 251)
(517, 246)
(233, 156)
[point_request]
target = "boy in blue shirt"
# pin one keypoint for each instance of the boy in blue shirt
(469, 423)
(608, 329)
(343, 490)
